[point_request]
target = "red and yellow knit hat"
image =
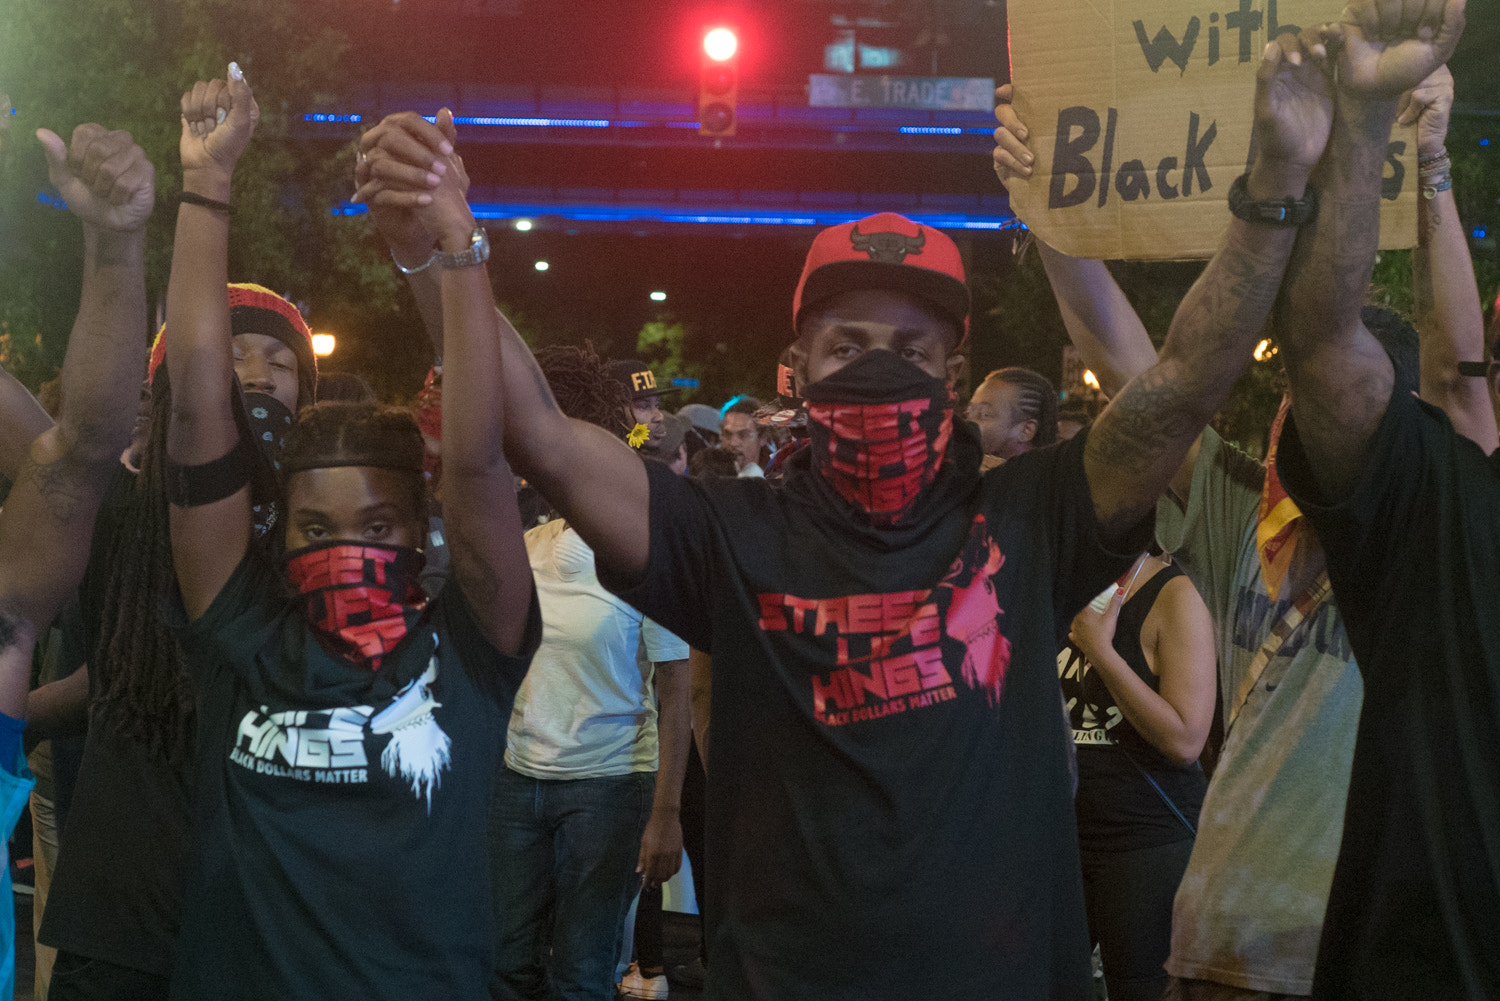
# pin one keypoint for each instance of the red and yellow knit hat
(255, 309)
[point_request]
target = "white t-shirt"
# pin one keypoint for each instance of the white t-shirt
(586, 708)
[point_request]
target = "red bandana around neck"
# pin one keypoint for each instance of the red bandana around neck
(356, 597)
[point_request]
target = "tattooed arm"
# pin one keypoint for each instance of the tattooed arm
(1448, 314)
(47, 522)
(1144, 434)
(1341, 378)
(1101, 322)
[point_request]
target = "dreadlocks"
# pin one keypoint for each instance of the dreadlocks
(140, 675)
(583, 387)
(144, 689)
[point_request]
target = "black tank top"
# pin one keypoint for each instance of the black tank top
(1129, 793)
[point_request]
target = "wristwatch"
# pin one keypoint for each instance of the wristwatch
(1271, 212)
(477, 253)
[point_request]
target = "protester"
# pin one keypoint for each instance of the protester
(108, 183)
(743, 436)
(588, 800)
(1138, 683)
(1015, 410)
(1406, 508)
(348, 729)
(115, 925)
(1249, 913)
(855, 594)
(644, 394)
(705, 421)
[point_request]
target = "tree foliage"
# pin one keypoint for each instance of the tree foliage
(125, 64)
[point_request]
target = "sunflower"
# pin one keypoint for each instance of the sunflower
(638, 436)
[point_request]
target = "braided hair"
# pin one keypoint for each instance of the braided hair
(140, 678)
(140, 683)
(583, 387)
(1037, 399)
(337, 433)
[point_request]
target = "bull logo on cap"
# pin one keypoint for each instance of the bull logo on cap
(887, 248)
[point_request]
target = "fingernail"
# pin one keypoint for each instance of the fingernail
(1266, 52)
(446, 147)
(219, 115)
(1022, 134)
(1294, 57)
(424, 199)
(439, 167)
(1027, 158)
(434, 180)
(235, 73)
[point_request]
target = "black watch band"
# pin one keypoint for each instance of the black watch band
(1271, 212)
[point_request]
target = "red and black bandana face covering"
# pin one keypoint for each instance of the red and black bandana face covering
(356, 597)
(880, 428)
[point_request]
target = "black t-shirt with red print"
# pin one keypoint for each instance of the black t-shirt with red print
(889, 799)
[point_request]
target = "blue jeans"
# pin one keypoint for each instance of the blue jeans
(562, 859)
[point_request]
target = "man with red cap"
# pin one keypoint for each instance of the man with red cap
(889, 809)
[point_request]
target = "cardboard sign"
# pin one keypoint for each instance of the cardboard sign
(1140, 116)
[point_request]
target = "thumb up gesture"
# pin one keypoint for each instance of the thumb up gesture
(103, 176)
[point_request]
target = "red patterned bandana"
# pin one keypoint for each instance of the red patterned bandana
(880, 429)
(356, 597)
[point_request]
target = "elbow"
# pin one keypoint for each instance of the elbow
(1184, 749)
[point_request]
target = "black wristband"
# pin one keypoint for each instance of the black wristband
(195, 486)
(191, 198)
(1288, 212)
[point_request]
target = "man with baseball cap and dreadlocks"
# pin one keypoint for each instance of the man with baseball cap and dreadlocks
(889, 801)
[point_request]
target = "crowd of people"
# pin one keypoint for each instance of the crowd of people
(381, 702)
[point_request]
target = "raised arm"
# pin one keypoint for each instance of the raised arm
(208, 540)
(595, 480)
(1143, 436)
(1101, 322)
(47, 523)
(479, 494)
(1341, 378)
(1449, 318)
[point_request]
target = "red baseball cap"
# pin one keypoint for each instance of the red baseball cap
(885, 251)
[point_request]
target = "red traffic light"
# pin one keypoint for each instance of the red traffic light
(720, 44)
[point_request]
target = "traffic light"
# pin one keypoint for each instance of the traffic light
(719, 83)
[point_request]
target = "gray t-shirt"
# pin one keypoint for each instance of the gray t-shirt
(1250, 907)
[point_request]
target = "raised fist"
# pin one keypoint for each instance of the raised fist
(218, 119)
(1387, 47)
(1293, 100)
(103, 176)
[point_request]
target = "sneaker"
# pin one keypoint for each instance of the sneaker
(635, 985)
(693, 974)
